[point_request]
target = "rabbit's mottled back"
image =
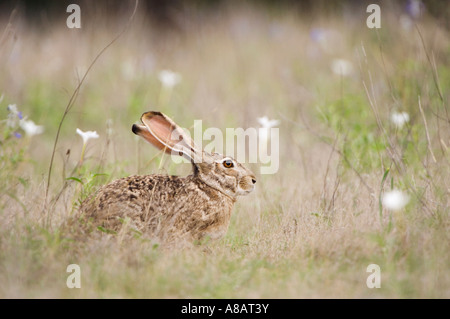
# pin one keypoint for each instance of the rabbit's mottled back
(172, 208)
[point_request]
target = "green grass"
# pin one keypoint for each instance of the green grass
(310, 230)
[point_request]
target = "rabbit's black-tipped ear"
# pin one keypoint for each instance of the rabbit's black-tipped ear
(165, 134)
(143, 132)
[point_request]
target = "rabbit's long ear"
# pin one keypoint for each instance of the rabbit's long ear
(165, 134)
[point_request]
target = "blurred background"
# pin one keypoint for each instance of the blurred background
(236, 61)
(361, 112)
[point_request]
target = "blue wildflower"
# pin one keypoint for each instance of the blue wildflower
(415, 8)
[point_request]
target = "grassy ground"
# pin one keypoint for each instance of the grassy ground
(311, 229)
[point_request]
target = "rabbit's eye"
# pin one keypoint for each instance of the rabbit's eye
(228, 163)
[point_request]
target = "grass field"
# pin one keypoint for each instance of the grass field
(308, 231)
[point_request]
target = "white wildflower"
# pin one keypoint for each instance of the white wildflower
(86, 136)
(341, 67)
(394, 200)
(399, 119)
(30, 127)
(168, 78)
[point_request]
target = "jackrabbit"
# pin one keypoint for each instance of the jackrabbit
(172, 208)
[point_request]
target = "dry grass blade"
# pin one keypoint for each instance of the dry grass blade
(76, 91)
(426, 131)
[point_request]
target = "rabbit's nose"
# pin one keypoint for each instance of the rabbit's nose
(253, 181)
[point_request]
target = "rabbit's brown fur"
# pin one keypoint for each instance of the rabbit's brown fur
(171, 208)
